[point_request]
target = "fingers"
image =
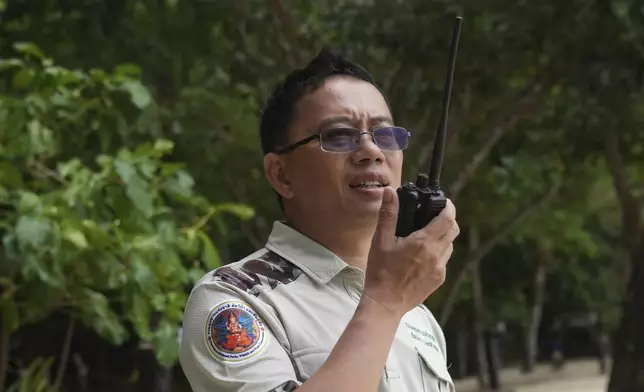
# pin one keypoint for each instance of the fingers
(444, 226)
(452, 232)
(447, 253)
(441, 267)
(438, 250)
(449, 211)
(387, 219)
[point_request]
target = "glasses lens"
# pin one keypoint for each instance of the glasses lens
(340, 140)
(391, 138)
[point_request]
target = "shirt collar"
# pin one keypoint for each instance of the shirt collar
(317, 261)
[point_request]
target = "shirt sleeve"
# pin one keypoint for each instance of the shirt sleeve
(227, 346)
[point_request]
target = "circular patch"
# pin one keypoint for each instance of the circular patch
(234, 332)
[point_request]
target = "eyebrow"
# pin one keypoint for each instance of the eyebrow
(347, 119)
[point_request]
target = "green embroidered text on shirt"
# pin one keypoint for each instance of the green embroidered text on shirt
(423, 336)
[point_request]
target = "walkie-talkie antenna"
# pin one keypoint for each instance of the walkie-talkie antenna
(439, 144)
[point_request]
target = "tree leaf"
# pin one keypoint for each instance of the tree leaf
(29, 202)
(23, 77)
(10, 316)
(10, 63)
(135, 187)
(163, 146)
(29, 48)
(128, 69)
(142, 273)
(70, 167)
(240, 210)
(32, 231)
(140, 315)
(209, 253)
(76, 237)
(10, 176)
(140, 95)
(166, 343)
(98, 314)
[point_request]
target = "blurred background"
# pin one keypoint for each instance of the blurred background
(130, 165)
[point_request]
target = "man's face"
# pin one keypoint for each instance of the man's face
(338, 184)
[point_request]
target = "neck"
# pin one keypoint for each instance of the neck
(350, 242)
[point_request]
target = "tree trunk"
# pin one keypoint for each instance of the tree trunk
(628, 359)
(463, 358)
(163, 379)
(532, 333)
(627, 373)
(475, 255)
(4, 356)
(479, 314)
(155, 377)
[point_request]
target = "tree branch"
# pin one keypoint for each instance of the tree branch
(631, 210)
(453, 126)
(82, 371)
(394, 79)
(64, 356)
(288, 30)
(478, 254)
(505, 120)
(39, 170)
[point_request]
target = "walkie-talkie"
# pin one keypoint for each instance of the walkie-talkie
(422, 201)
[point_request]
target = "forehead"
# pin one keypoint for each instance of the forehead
(341, 97)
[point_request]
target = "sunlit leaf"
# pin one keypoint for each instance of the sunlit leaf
(102, 318)
(29, 48)
(240, 210)
(209, 253)
(140, 95)
(32, 231)
(76, 237)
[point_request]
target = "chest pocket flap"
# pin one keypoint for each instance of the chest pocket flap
(308, 361)
(435, 361)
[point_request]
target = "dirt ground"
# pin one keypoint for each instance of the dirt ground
(582, 384)
(576, 376)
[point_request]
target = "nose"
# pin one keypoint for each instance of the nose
(368, 151)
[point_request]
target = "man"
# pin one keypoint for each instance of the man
(333, 302)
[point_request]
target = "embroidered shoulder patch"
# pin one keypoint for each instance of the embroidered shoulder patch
(263, 273)
(235, 332)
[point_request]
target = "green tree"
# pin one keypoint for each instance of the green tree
(112, 238)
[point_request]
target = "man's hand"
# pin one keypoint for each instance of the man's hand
(403, 272)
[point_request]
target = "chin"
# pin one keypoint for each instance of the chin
(364, 209)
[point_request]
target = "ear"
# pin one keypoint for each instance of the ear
(276, 174)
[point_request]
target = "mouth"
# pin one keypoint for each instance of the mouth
(369, 180)
(369, 184)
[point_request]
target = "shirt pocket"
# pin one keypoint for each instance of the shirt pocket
(309, 360)
(434, 372)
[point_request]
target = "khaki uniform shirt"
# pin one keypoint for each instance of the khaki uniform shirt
(268, 322)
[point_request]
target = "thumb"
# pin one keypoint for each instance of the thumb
(387, 218)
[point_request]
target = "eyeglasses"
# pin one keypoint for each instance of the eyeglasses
(348, 139)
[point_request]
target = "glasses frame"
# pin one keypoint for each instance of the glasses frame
(318, 137)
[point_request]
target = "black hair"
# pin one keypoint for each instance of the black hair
(279, 110)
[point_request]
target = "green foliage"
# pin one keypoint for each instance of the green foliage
(114, 240)
(35, 378)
